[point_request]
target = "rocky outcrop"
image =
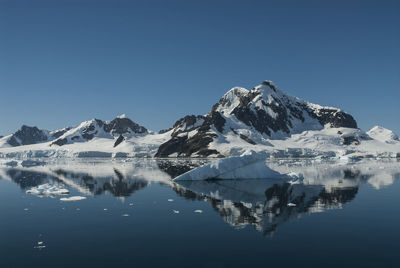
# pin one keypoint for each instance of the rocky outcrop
(192, 135)
(119, 140)
(123, 125)
(27, 135)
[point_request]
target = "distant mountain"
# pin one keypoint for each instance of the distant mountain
(120, 127)
(254, 116)
(27, 135)
(383, 134)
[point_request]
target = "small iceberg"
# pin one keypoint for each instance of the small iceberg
(249, 165)
(47, 190)
(72, 198)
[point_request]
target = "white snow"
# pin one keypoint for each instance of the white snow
(122, 116)
(249, 165)
(72, 198)
(383, 134)
(47, 190)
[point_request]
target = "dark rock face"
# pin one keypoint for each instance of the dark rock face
(59, 133)
(122, 126)
(87, 132)
(27, 135)
(60, 142)
(119, 140)
(183, 145)
(244, 137)
(350, 140)
(335, 118)
(262, 121)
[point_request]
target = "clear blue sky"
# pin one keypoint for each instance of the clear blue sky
(63, 62)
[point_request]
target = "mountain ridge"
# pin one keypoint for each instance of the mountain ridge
(262, 118)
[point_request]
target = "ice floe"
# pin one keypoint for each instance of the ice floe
(72, 198)
(47, 190)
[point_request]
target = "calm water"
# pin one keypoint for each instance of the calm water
(341, 215)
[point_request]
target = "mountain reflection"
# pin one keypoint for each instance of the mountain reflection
(264, 204)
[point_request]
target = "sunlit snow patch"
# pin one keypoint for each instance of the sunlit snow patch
(73, 198)
(249, 165)
(47, 190)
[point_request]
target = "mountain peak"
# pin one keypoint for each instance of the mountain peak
(383, 134)
(269, 84)
(253, 116)
(122, 116)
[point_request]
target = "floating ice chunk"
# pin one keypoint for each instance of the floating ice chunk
(291, 204)
(72, 198)
(47, 190)
(131, 204)
(175, 211)
(26, 209)
(170, 200)
(105, 209)
(250, 165)
(198, 211)
(40, 245)
(125, 215)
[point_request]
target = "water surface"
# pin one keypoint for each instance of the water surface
(341, 215)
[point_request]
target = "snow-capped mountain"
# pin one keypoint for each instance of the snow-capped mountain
(383, 134)
(120, 127)
(27, 135)
(261, 119)
(254, 116)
